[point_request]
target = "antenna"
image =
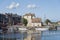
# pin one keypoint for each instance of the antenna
(44, 17)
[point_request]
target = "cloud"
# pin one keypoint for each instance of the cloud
(17, 5)
(31, 6)
(13, 5)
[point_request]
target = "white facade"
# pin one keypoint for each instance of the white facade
(59, 23)
(36, 24)
(29, 19)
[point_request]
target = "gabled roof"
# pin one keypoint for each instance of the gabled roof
(36, 20)
(29, 14)
(58, 22)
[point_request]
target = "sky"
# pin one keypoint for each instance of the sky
(45, 9)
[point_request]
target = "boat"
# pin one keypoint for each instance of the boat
(42, 29)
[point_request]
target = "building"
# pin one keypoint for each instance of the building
(36, 22)
(13, 19)
(58, 22)
(3, 22)
(32, 20)
(9, 19)
(3, 19)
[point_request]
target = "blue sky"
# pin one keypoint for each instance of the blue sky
(45, 9)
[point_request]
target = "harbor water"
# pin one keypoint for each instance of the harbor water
(45, 35)
(50, 35)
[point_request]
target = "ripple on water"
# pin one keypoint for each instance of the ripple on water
(50, 35)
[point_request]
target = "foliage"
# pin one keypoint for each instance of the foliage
(25, 21)
(47, 20)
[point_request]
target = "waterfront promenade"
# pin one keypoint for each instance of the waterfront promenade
(33, 33)
(25, 33)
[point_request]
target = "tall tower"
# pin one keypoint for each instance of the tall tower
(29, 16)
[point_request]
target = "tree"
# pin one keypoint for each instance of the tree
(24, 21)
(47, 20)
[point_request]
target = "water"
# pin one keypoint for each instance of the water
(50, 35)
(12, 36)
(46, 35)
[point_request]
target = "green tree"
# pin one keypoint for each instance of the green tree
(47, 20)
(24, 21)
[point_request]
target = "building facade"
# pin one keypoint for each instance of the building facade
(32, 20)
(13, 19)
(9, 19)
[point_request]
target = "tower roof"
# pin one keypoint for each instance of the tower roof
(36, 20)
(29, 14)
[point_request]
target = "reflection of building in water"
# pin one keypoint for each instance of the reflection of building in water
(36, 35)
(33, 35)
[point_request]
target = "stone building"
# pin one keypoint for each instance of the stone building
(58, 22)
(32, 20)
(9, 19)
(13, 19)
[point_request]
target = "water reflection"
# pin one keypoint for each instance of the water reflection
(12, 36)
(45, 35)
(50, 35)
